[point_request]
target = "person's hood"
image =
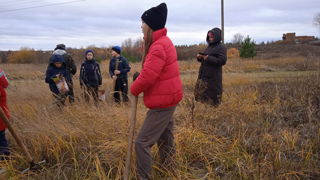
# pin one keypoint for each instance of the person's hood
(216, 34)
(57, 58)
(3, 79)
(59, 51)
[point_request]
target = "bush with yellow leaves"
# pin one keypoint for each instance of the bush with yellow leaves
(232, 53)
(25, 55)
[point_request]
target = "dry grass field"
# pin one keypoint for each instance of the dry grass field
(267, 126)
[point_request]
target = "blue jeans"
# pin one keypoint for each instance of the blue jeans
(4, 148)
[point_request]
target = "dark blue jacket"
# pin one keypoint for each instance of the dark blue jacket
(90, 74)
(52, 71)
(123, 67)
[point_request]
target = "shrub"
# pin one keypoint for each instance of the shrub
(130, 58)
(98, 60)
(247, 48)
(25, 55)
(232, 53)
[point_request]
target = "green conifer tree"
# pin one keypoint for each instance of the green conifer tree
(130, 58)
(247, 48)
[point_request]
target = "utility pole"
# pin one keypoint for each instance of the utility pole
(222, 22)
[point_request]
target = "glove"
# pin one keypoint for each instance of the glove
(135, 76)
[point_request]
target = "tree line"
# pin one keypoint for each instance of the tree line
(130, 50)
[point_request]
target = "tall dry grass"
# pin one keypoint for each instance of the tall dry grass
(266, 127)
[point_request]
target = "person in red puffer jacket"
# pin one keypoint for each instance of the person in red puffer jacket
(161, 85)
(4, 150)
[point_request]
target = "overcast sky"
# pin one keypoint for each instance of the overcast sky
(41, 24)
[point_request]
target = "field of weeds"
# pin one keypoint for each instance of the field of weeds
(267, 126)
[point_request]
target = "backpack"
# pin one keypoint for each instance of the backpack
(71, 66)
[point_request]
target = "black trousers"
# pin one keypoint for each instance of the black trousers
(70, 93)
(4, 149)
(121, 86)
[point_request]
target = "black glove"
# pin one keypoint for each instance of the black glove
(135, 76)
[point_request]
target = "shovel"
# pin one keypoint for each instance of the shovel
(130, 140)
(114, 81)
(33, 165)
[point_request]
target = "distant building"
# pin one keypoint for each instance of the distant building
(291, 37)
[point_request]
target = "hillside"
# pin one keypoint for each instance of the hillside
(274, 50)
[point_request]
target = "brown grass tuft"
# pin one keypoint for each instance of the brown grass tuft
(266, 127)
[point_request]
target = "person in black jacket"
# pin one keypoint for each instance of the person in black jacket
(120, 75)
(209, 84)
(90, 77)
(70, 66)
(57, 69)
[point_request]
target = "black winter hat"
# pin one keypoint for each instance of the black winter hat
(156, 17)
(60, 46)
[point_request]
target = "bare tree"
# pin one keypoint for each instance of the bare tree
(237, 38)
(127, 45)
(138, 42)
(316, 21)
(132, 47)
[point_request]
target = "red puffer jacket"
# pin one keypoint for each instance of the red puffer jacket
(3, 98)
(159, 79)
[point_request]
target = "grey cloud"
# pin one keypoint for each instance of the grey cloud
(110, 22)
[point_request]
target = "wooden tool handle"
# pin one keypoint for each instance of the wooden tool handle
(117, 64)
(131, 134)
(15, 136)
(114, 82)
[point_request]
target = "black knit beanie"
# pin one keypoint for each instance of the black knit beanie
(60, 46)
(156, 17)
